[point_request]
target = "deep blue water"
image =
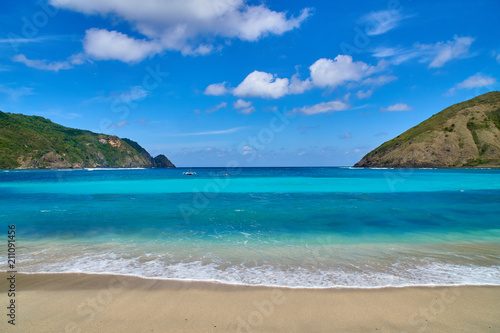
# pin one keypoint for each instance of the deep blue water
(309, 227)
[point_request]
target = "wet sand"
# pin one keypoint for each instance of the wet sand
(109, 303)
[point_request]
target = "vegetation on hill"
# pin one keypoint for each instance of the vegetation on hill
(32, 142)
(466, 134)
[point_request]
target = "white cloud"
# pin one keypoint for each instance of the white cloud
(385, 52)
(258, 21)
(119, 124)
(477, 80)
(15, 93)
(437, 55)
(226, 131)
(21, 40)
(324, 73)
(379, 80)
(72, 115)
(78, 59)
(498, 58)
(324, 107)
(449, 50)
(297, 86)
(332, 73)
(261, 84)
(397, 107)
(241, 104)
(16, 41)
(182, 25)
(101, 44)
(216, 108)
(133, 94)
(42, 64)
(244, 106)
(247, 110)
(216, 89)
(398, 55)
(364, 94)
(380, 22)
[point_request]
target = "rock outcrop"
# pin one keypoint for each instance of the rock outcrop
(161, 161)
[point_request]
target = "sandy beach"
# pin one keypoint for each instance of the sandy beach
(108, 303)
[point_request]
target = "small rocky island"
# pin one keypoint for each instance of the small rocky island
(32, 142)
(464, 135)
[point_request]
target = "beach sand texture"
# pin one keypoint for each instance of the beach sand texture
(112, 303)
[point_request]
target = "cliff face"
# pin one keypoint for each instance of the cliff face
(31, 142)
(464, 135)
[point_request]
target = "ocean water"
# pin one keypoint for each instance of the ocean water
(294, 227)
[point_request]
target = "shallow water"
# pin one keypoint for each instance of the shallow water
(296, 227)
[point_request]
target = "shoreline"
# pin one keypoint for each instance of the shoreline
(73, 302)
(206, 283)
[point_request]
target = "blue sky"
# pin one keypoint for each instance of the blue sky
(255, 83)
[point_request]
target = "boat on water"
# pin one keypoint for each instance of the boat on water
(189, 173)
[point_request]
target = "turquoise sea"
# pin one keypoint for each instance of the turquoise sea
(295, 227)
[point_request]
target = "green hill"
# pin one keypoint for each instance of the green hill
(463, 135)
(32, 142)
